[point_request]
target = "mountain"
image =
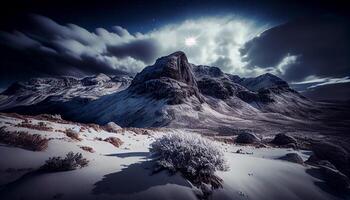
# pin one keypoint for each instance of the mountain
(171, 93)
(37, 94)
(175, 93)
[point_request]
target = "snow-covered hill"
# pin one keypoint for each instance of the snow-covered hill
(49, 91)
(125, 171)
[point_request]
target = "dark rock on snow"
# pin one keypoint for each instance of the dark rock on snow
(283, 139)
(335, 178)
(336, 155)
(247, 138)
(313, 160)
(292, 157)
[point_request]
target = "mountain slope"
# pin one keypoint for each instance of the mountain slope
(175, 93)
(40, 94)
(172, 93)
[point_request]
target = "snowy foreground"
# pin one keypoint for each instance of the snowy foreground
(125, 172)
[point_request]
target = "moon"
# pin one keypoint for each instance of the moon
(190, 41)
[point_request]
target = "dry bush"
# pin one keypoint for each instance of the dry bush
(41, 126)
(138, 131)
(88, 149)
(72, 134)
(96, 127)
(197, 158)
(70, 162)
(114, 141)
(98, 139)
(33, 142)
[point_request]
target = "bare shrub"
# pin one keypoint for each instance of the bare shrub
(98, 139)
(95, 127)
(33, 142)
(88, 149)
(41, 126)
(195, 157)
(72, 134)
(114, 141)
(70, 162)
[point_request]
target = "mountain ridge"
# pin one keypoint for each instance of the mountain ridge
(170, 93)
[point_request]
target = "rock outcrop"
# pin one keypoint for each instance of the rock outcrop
(170, 78)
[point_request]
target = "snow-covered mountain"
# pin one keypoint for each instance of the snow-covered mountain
(172, 93)
(23, 96)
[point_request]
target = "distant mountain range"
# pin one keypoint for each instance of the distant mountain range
(170, 93)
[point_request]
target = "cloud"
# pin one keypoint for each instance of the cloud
(218, 40)
(49, 48)
(302, 48)
(145, 50)
(336, 91)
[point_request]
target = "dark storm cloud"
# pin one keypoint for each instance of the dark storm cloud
(320, 46)
(337, 91)
(145, 50)
(48, 48)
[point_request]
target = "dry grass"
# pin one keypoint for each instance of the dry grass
(70, 162)
(95, 127)
(114, 141)
(41, 126)
(98, 139)
(72, 134)
(33, 142)
(137, 131)
(88, 149)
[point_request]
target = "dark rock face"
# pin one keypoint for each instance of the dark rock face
(213, 82)
(202, 70)
(282, 139)
(173, 91)
(174, 66)
(313, 160)
(170, 78)
(247, 138)
(249, 96)
(338, 156)
(215, 88)
(335, 179)
(292, 157)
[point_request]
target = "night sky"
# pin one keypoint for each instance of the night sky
(306, 44)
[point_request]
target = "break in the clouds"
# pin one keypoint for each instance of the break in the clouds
(54, 49)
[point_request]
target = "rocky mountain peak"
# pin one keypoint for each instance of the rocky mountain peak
(263, 81)
(174, 66)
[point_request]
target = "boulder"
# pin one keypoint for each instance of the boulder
(112, 127)
(292, 157)
(283, 139)
(335, 154)
(247, 138)
(313, 160)
(335, 178)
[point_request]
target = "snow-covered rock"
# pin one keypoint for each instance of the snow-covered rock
(247, 138)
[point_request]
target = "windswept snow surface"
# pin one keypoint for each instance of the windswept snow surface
(126, 172)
